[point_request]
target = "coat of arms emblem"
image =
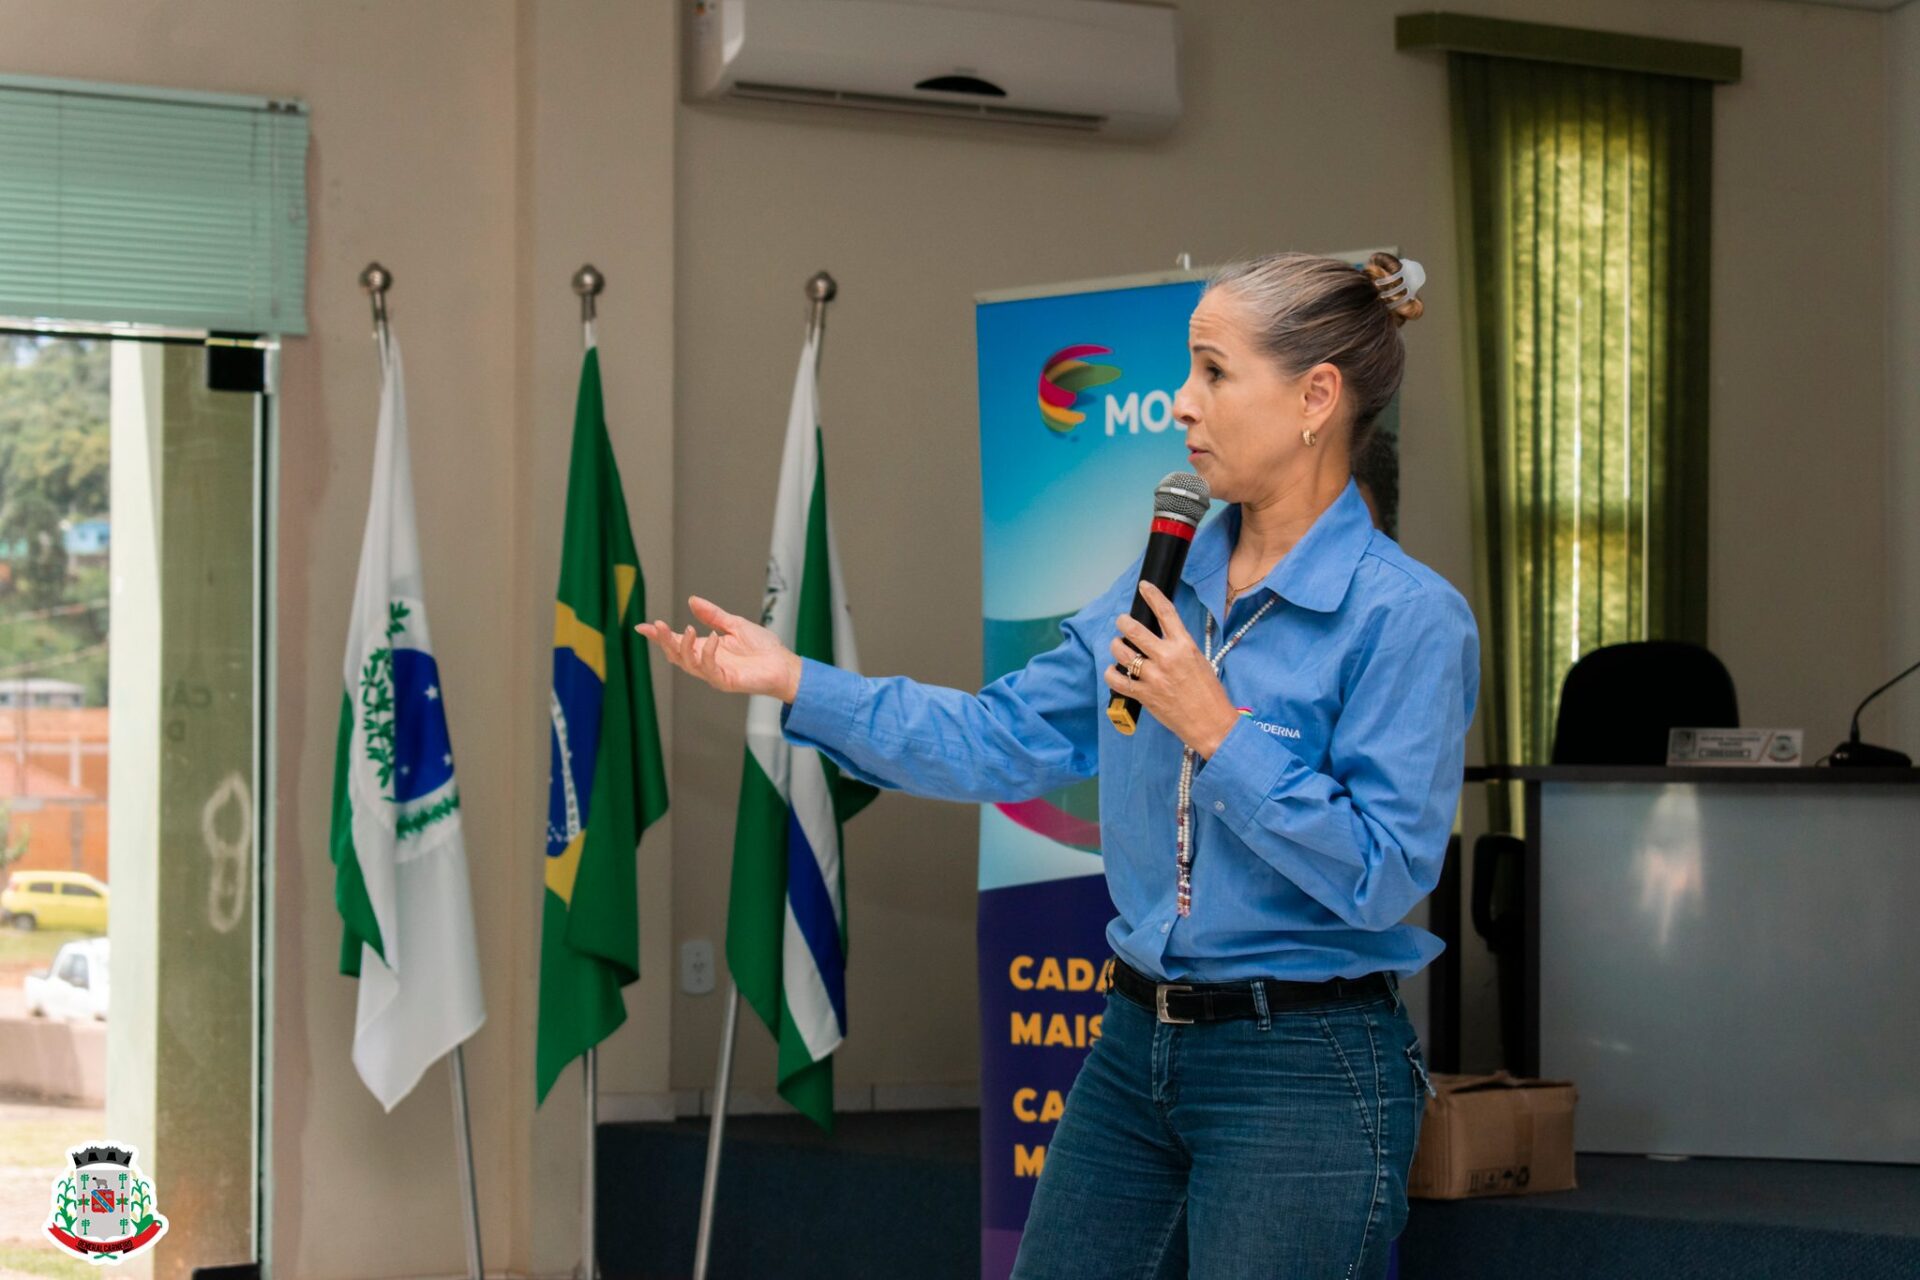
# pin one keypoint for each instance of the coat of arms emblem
(103, 1210)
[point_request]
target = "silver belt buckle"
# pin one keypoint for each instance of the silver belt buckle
(1160, 990)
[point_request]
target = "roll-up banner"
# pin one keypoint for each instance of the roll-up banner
(1076, 426)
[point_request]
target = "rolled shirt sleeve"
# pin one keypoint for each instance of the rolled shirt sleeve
(1367, 837)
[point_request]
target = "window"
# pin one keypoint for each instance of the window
(135, 435)
(128, 207)
(136, 206)
(1584, 195)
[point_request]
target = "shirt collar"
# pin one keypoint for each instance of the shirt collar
(1314, 575)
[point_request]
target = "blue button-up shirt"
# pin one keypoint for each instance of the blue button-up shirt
(1320, 821)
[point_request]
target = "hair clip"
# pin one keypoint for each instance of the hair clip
(1403, 286)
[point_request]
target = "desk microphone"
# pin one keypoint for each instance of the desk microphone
(1180, 502)
(1857, 754)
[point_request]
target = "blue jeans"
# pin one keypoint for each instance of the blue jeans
(1278, 1147)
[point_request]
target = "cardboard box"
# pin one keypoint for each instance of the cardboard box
(1494, 1135)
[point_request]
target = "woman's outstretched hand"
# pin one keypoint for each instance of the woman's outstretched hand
(736, 656)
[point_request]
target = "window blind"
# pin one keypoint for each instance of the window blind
(149, 206)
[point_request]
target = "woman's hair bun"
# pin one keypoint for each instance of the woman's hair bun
(1305, 309)
(1397, 297)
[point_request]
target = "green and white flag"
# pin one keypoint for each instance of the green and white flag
(400, 863)
(786, 915)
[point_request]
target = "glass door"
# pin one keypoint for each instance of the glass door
(131, 642)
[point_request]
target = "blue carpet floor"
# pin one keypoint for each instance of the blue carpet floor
(1631, 1217)
(896, 1195)
(893, 1194)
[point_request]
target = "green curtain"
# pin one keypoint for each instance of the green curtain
(1583, 201)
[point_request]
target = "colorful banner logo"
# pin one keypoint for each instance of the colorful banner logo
(1064, 381)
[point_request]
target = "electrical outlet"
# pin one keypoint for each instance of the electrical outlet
(696, 966)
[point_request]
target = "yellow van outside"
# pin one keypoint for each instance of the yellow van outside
(71, 900)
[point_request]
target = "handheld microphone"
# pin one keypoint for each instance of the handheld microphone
(1854, 753)
(1180, 502)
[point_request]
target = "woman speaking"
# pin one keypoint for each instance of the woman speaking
(1285, 802)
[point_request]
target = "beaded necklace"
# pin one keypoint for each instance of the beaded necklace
(1183, 856)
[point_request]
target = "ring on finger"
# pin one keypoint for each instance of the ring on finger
(1133, 668)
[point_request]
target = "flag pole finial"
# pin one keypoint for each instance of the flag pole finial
(821, 289)
(588, 283)
(376, 280)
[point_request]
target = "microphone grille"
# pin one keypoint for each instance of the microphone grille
(1182, 495)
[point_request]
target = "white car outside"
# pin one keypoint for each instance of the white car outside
(75, 989)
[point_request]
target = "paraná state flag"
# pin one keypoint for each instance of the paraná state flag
(400, 860)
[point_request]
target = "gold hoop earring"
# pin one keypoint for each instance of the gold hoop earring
(1310, 437)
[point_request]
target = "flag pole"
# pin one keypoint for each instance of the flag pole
(710, 1184)
(463, 1146)
(588, 282)
(821, 289)
(376, 280)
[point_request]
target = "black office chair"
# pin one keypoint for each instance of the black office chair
(1616, 706)
(1618, 702)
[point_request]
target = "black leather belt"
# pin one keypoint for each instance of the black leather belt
(1181, 1002)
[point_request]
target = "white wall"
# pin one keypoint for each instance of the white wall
(1304, 129)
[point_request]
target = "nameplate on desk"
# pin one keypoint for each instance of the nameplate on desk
(1748, 747)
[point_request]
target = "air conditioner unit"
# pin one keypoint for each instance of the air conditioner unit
(1109, 67)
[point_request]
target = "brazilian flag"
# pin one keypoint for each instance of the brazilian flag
(607, 782)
